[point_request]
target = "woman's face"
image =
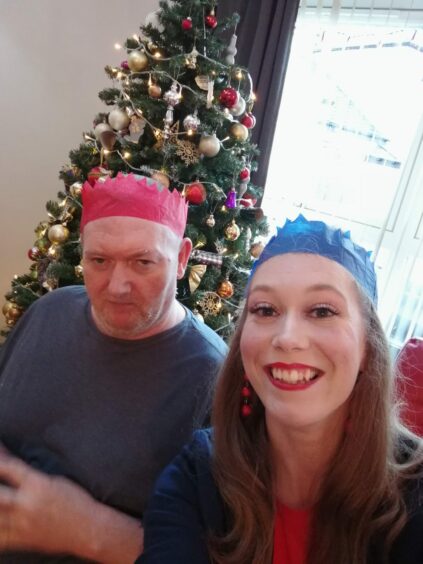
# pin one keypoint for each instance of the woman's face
(303, 342)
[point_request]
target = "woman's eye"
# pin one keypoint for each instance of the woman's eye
(323, 311)
(263, 310)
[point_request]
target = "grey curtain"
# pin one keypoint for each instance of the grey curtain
(264, 40)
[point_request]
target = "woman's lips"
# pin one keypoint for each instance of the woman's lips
(292, 376)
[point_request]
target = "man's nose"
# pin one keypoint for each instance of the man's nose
(120, 281)
(291, 333)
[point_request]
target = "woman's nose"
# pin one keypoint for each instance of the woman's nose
(290, 333)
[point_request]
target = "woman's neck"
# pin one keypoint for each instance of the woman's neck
(300, 459)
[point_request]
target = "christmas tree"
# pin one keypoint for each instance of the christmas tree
(179, 111)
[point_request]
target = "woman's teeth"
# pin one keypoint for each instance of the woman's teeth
(293, 376)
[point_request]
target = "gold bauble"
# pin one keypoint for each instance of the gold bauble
(232, 231)
(154, 91)
(13, 313)
(43, 244)
(238, 132)
(79, 271)
(58, 233)
(256, 249)
(225, 289)
(54, 251)
(162, 178)
(137, 61)
(75, 189)
(41, 229)
(8, 306)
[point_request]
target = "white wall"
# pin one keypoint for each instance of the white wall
(52, 59)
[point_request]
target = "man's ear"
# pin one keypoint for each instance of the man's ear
(183, 256)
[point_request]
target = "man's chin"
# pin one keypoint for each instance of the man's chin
(122, 329)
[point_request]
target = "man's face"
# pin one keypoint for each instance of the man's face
(130, 269)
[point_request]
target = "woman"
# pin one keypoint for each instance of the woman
(307, 462)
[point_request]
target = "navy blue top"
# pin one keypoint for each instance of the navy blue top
(186, 506)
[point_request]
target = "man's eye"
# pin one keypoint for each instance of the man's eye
(98, 260)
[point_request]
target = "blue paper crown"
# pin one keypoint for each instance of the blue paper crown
(317, 238)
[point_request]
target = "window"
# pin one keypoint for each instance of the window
(348, 147)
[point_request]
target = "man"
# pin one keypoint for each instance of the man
(101, 386)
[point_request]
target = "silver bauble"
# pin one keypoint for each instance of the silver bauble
(119, 119)
(210, 221)
(99, 128)
(137, 61)
(239, 107)
(209, 145)
(172, 96)
(191, 122)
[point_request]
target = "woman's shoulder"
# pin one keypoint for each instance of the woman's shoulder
(185, 506)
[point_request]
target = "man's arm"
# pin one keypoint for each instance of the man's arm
(53, 515)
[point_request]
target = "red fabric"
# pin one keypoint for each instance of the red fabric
(291, 535)
(410, 384)
(128, 195)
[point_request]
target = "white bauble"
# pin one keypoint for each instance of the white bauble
(153, 19)
(119, 119)
(209, 145)
(99, 128)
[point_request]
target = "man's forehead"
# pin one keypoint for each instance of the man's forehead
(128, 226)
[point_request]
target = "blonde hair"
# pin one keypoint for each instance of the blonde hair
(360, 500)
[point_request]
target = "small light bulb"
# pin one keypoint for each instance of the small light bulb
(118, 46)
(127, 155)
(239, 75)
(157, 55)
(119, 75)
(253, 97)
(190, 132)
(106, 151)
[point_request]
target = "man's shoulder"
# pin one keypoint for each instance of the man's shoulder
(204, 335)
(60, 303)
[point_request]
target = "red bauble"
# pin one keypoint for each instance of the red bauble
(96, 173)
(248, 120)
(195, 193)
(246, 392)
(34, 253)
(187, 24)
(247, 202)
(229, 97)
(211, 21)
(246, 410)
(124, 65)
(244, 174)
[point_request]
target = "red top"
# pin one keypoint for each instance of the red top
(291, 535)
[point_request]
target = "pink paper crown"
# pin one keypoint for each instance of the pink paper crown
(128, 195)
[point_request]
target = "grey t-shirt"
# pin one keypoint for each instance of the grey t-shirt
(108, 413)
